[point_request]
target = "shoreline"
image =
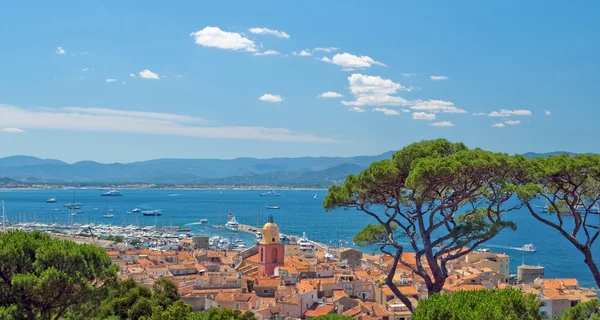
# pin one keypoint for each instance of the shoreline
(250, 188)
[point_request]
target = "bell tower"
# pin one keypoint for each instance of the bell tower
(270, 250)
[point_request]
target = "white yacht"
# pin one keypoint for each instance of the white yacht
(232, 225)
(203, 221)
(108, 215)
(136, 210)
(528, 248)
(304, 243)
(51, 200)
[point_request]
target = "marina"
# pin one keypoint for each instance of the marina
(300, 211)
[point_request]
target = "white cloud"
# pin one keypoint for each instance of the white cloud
(122, 121)
(512, 122)
(409, 74)
(217, 38)
(479, 114)
(438, 78)
(271, 97)
(375, 91)
(132, 75)
(12, 130)
(328, 49)
(147, 74)
(266, 53)
(330, 94)
(110, 80)
(436, 106)
(85, 69)
(386, 111)
(508, 113)
(443, 124)
(547, 112)
(351, 62)
(357, 109)
(498, 125)
(303, 53)
(277, 33)
(405, 110)
(178, 76)
(423, 116)
(60, 50)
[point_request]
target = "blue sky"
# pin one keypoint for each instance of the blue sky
(130, 80)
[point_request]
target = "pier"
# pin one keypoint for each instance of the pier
(252, 229)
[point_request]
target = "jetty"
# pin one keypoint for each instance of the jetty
(252, 230)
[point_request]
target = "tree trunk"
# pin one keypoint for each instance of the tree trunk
(389, 280)
(589, 261)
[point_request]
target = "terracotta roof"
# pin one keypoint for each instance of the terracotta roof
(213, 254)
(320, 310)
(112, 253)
(466, 287)
(339, 293)
(268, 283)
(406, 290)
(353, 312)
(560, 283)
(252, 258)
(169, 253)
(304, 287)
(291, 299)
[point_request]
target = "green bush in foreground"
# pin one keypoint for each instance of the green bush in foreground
(507, 304)
(584, 311)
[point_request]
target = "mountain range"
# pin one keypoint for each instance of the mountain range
(301, 172)
(305, 171)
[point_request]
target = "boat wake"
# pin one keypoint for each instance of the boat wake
(193, 223)
(174, 195)
(522, 249)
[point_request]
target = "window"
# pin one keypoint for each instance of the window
(261, 255)
(542, 304)
(573, 303)
(266, 291)
(237, 306)
(274, 257)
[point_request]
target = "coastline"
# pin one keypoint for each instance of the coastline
(237, 188)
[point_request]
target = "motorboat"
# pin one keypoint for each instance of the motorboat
(108, 215)
(529, 247)
(51, 200)
(270, 194)
(96, 209)
(232, 224)
(203, 221)
(272, 207)
(56, 209)
(112, 193)
(136, 210)
(304, 243)
(152, 213)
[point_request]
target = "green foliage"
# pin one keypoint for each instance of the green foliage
(43, 277)
(333, 316)
(135, 242)
(440, 195)
(372, 234)
(115, 238)
(128, 300)
(507, 304)
(222, 314)
(584, 311)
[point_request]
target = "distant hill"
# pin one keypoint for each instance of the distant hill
(26, 161)
(247, 171)
(301, 172)
(547, 154)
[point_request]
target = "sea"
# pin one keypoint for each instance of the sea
(300, 211)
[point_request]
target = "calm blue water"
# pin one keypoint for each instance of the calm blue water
(299, 212)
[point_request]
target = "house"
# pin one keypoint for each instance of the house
(319, 310)
(266, 287)
(236, 300)
(291, 306)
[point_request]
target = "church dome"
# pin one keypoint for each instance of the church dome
(270, 232)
